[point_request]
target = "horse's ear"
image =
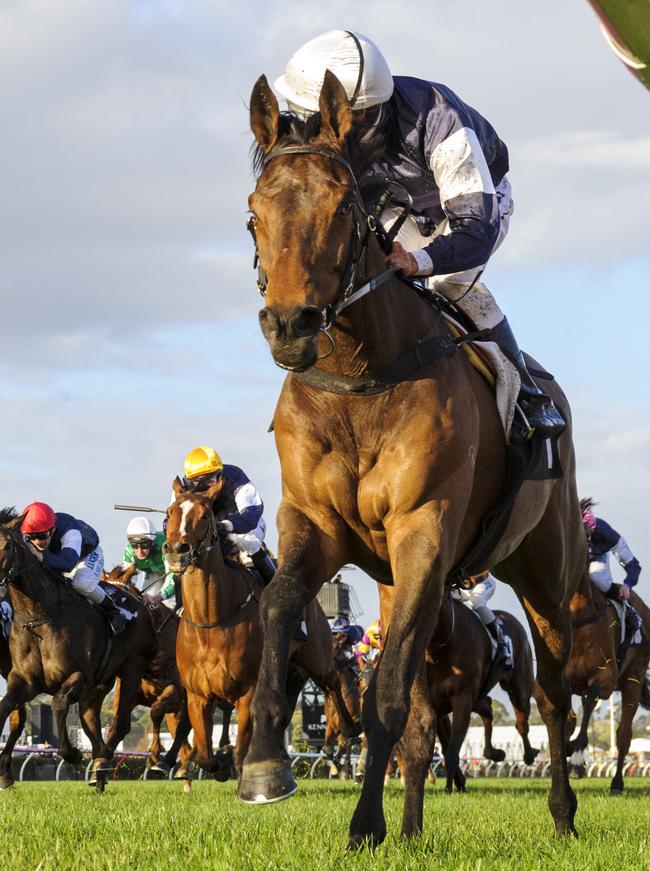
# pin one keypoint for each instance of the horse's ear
(177, 486)
(15, 523)
(265, 114)
(212, 492)
(334, 107)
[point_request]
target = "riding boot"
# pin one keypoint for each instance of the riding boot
(264, 565)
(115, 619)
(543, 417)
(504, 646)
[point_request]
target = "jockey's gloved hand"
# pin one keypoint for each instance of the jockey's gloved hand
(224, 527)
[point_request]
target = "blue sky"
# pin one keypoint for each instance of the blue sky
(129, 309)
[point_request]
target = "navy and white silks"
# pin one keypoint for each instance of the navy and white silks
(241, 505)
(605, 541)
(74, 551)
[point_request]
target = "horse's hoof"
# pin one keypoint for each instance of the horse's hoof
(495, 755)
(5, 783)
(74, 757)
(364, 842)
(615, 791)
(529, 758)
(161, 767)
(187, 787)
(266, 782)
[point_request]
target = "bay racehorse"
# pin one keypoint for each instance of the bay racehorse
(219, 641)
(460, 675)
(598, 666)
(160, 689)
(387, 471)
(16, 721)
(61, 645)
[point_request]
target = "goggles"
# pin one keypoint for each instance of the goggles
(201, 482)
(39, 536)
(141, 542)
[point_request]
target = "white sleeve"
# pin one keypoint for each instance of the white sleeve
(71, 540)
(459, 166)
(622, 552)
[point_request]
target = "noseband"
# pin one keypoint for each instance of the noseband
(364, 225)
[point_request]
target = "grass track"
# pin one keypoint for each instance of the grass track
(144, 825)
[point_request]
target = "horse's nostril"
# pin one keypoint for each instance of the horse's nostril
(183, 548)
(307, 322)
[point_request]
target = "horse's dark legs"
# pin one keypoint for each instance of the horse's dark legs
(631, 686)
(581, 740)
(483, 708)
(18, 692)
(417, 744)
(126, 697)
(461, 712)
(551, 631)
(16, 722)
(90, 707)
(224, 739)
(69, 693)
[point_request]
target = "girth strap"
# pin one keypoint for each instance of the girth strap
(412, 361)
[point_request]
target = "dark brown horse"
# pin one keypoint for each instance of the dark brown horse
(220, 638)
(338, 745)
(598, 666)
(16, 721)
(60, 644)
(161, 689)
(460, 676)
(391, 472)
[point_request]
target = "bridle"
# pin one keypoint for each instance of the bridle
(365, 225)
(13, 572)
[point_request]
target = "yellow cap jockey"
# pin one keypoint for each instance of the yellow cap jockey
(202, 461)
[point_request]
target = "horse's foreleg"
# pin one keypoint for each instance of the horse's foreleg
(582, 738)
(69, 693)
(244, 730)
(90, 707)
(306, 559)
(415, 551)
(483, 708)
(551, 631)
(461, 713)
(416, 745)
(631, 686)
(130, 679)
(18, 692)
(200, 713)
(16, 724)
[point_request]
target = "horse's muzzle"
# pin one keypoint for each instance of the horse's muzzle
(178, 556)
(291, 334)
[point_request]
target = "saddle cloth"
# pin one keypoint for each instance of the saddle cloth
(127, 604)
(629, 628)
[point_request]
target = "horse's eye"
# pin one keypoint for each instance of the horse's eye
(345, 207)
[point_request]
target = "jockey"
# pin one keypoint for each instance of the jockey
(238, 507)
(452, 163)
(71, 548)
(348, 637)
(476, 598)
(144, 551)
(369, 647)
(604, 540)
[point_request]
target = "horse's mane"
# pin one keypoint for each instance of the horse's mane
(7, 514)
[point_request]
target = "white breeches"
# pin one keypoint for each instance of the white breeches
(85, 576)
(249, 542)
(478, 303)
(478, 596)
(600, 574)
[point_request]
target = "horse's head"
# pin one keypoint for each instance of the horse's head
(308, 219)
(11, 544)
(120, 576)
(190, 526)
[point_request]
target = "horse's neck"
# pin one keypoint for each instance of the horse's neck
(32, 592)
(373, 331)
(211, 590)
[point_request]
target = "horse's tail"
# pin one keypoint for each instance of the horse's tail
(645, 692)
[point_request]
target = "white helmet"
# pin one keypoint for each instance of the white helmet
(141, 528)
(353, 58)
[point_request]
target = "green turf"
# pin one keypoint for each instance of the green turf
(501, 824)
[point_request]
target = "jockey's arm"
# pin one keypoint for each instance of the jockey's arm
(628, 561)
(70, 553)
(468, 199)
(249, 508)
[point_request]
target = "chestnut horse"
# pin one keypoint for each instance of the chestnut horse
(60, 644)
(219, 641)
(16, 721)
(595, 669)
(161, 689)
(460, 676)
(390, 472)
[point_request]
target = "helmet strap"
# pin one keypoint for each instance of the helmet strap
(353, 36)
